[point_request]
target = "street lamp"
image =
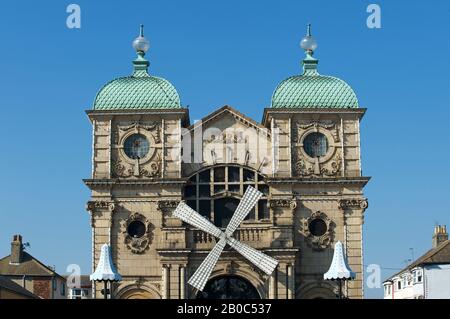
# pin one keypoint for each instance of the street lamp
(339, 269)
(105, 271)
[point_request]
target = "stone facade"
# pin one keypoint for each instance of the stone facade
(300, 190)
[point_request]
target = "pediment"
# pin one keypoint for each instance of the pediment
(228, 117)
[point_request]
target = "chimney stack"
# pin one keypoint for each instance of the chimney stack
(16, 249)
(440, 235)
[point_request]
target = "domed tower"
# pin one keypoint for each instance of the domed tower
(136, 170)
(314, 121)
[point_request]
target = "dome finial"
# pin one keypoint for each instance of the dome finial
(308, 43)
(141, 44)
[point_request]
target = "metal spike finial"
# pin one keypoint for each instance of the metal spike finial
(141, 33)
(308, 30)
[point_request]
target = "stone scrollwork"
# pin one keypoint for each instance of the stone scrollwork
(334, 167)
(150, 127)
(120, 170)
(305, 169)
(326, 165)
(322, 241)
(153, 169)
(138, 245)
(167, 204)
(353, 203)
(316, 125)
(283, 203)
(93, 205)
(150, 170)
(147, 166)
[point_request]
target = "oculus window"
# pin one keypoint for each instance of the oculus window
(315, 145)
(136, 146)
(136, 229)
(317, 227)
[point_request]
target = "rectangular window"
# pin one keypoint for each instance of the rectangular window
(190, 191)
(192, 204)
(249, 176)
(219, 174)
(233, 174)
(419, 276)
(205, 177)
(264, 189)
(263, 210)
(234, 188)
(205, 208)
(205, 191)
(399, 285)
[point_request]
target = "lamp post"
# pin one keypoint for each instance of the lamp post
(339, 268)
(105, 271)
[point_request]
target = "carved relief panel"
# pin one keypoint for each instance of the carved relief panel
(317, 151)
(138, 233)
(137, 151)
(318, 230)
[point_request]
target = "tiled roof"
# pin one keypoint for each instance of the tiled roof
(137, 92)
(10, 285)
(314, 91)
(29, 266)
(437, 255)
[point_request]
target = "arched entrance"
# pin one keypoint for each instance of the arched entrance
(228, 287)
(136, 294)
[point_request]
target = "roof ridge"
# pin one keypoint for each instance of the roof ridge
(422, 259)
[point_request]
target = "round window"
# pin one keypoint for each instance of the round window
(136, 229)
(136, 146)
(315, 145)
(317, 227)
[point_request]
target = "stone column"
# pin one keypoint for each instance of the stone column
(273, 285)
(182, 282)
(290, 280)
(165, 284)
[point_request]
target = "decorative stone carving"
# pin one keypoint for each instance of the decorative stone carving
(167, 204)
(283, 203)
(327, 125)
(305, 169)
(153, 169)
(231, 267)
(318, 242)
(150, 170)
(93, 205)
(119, 169)
(138, 245)
(151, 127)
(353, 203)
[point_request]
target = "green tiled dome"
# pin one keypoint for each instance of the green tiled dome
(312, 90)
(138, 91)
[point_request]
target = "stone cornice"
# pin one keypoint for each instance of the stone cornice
(183, 113)
(108, 182)
(318, 181)
(269, 111)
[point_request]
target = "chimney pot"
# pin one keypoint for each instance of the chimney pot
(440, 235)
(16, 249)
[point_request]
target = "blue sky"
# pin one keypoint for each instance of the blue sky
(216, 53)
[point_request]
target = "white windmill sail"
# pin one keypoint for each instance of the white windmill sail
(259, 259)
